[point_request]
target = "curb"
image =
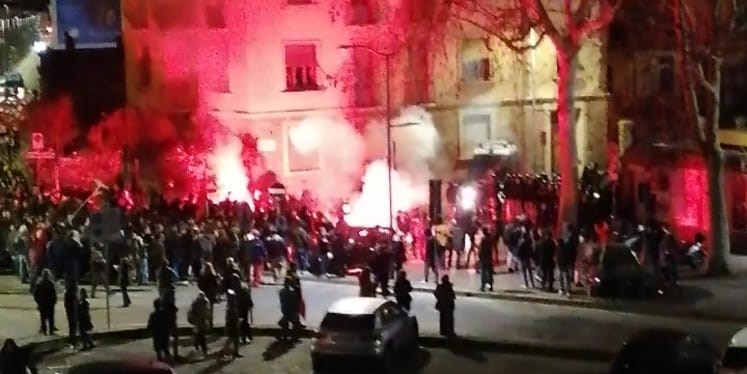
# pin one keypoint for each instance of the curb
(51, 346)
(623, 306)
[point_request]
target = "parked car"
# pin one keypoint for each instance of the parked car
(665, 351)
(364, 328)
(734, 360)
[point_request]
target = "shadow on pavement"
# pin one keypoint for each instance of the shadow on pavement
(463, 350)
(216, 366)
(414, 363)
(687, 295)
(188, 341)
(277, 349)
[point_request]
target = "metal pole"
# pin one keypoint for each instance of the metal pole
(390, 163)
(106, 289)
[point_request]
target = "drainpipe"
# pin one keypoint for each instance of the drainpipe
(532, 96)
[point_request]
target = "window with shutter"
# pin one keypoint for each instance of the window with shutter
(136, 14)
(363, 71)
(144, 68)
(475, 61)
(300, 67)
(215, 14)
(362, 12)
(418, 84)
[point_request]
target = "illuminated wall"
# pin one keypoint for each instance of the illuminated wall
(179, 57)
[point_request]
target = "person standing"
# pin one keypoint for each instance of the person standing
(546, 249)
(124, 280)
(232, 325)
(159, 325)
(245, 306)
(485, 256)
(445, 304)
(565, 258)
(199, 317)
(71, 312)
(430, 262)
(402, 290)
(45, 295)
(98, 268)
(14, 359)
(209, 283)
(289, 308)
(525, 255)
(85, 325)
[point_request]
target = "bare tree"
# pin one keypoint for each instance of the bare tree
(704, 30)
(568, 26)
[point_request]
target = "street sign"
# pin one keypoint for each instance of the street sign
(41, 155)
(107, 224)
(37, 141)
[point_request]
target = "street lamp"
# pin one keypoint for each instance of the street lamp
(387, 60)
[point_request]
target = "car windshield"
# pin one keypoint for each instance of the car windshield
(735, 359)
(335, 322)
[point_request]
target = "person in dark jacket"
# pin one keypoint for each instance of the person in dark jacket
(233, 320)
(431, 255)
(289, 308)
(546, 251)
(245, 306)
(402, 289)
(124, 280)
(85, 325)
(445, 304)
(209, 283)
(71, 312)
(159, 325)
(14, 359)
(565, 258)
(366, 286)
(487, 246)
(45, 295)
(525, 255)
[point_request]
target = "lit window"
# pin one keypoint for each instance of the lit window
(300, 67)
(474, 129)
(476, 66)
(301, 160)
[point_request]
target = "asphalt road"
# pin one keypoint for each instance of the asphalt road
(267, 356)
(520, 322)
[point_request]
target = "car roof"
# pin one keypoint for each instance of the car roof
(739, 340)
(356, 305)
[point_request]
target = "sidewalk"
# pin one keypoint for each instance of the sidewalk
(713, 299)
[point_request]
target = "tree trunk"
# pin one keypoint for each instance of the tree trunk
(719, 243)
(566, 133)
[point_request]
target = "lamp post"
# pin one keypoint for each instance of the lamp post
(389, 162)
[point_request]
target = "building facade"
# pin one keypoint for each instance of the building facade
(264, 67)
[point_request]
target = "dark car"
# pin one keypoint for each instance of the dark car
(734, 360)
(665, 351)
(617, 273)
(121, 367)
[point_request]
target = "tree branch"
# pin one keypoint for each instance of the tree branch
(516, 44)
(589, 25)
(702, 80)
(539, 16)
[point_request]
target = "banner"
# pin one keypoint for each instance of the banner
(90, 23)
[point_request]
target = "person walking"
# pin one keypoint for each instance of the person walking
(445, 304)
(525, 254)
(45, 295)
(289, 308)
(485, 255)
